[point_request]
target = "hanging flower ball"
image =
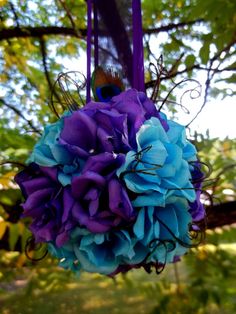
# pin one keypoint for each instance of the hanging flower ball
(110, 187)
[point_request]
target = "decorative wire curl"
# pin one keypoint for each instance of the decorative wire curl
(31, 246)
(65, 81)
(196, 229)
(160, 73)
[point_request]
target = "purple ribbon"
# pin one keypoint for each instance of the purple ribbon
(134, 64)
(138, 60)
(89, 39)
(95, 25)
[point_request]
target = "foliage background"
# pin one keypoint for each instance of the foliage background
(37, 38)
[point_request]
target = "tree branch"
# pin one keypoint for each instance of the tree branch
(221, 215)
(20, 114)
(38, 31)
(15, 15)
(210, 75)
(68, 13)
(46, 72)
(44, 59)
(172, 75)
(28, 31)
(169, 27)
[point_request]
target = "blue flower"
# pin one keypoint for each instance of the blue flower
(158, 235)
(160, 166)
(49, 152)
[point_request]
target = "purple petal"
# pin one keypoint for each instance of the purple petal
(61, 239)
(37, 199)
(79, 130)
(104, 163)
(68, 202)
(82, 183)
(119, 201)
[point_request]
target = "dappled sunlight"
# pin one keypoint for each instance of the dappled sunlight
(96, 303)
(52, 290)
(203, 281)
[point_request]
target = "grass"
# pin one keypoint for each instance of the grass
(85, 294)
(206, 286)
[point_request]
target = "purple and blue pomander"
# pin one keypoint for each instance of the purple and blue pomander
(113, 186)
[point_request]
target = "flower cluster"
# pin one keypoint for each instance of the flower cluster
(110, 187)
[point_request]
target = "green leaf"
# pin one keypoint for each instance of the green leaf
(13, 235)
(189, 61)
(3, 227)
(231, 79)
(204, 53)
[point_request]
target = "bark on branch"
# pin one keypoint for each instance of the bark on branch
(39, 31)
(171, 26)
(221, 215)
(24, 32)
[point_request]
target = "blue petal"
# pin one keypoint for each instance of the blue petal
(150, 199)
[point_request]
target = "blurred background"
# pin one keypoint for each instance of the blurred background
(196, 39)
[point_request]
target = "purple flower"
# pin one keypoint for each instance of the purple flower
(102, 201)
(138, 108)
(197, 210)
(47, 203)
(87, 133)
(134, 105)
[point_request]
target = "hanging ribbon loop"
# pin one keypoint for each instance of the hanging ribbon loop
(116, 43)
(138, 59)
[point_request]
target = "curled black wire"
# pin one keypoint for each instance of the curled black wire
(190, 91)
(157, 70)
(31, 246)
(203, 176)
(160, 73)
(169, 246)
(64, 81)
(196, 229)
(138, 159)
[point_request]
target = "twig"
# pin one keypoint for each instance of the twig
(44, 59)
(151, 83)
(217, 179)
(20, 114)
(28, 31)
(68, 13)
(38, 31)
(176, 64)
(171, 26)
(15, 15)
(210, 75)
(46, 72)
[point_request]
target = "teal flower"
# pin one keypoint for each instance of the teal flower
(160, 167)
(158, 235)
(50, 152)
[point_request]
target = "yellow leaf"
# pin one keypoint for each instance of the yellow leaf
(179, 4)
(3, 227)
(21, 228)
(226, 145)
(7, 179)
(21, 260)
(3, 2)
